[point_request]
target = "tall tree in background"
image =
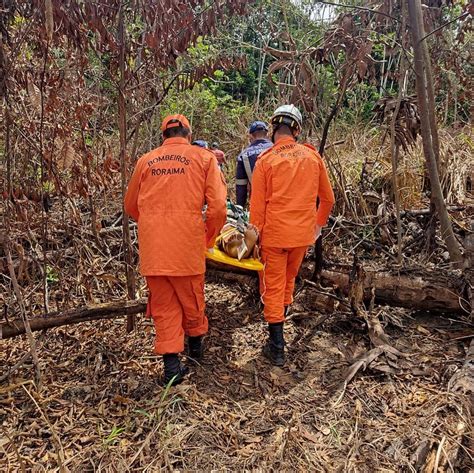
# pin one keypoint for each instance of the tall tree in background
(429, 130)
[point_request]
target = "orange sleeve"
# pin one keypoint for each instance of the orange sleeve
(216, 196)
(325, 194)
(258, 200)
(131, 197)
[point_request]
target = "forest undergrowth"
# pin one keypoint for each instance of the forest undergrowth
(101, 408)
(380, 370)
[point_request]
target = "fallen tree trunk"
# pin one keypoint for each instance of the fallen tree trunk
(414, 292)
(428, 292)
(74, 316)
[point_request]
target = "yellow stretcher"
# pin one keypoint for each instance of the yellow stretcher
(219, 256)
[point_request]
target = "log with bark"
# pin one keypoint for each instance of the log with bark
(74, 316)
(418, 293)
(426, 292)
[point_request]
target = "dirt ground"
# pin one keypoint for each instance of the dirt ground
(101, 407)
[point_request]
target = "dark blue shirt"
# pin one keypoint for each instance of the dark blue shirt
(245, 165)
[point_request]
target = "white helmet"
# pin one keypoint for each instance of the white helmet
(288, 115)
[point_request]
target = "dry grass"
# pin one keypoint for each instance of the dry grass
(366, 148)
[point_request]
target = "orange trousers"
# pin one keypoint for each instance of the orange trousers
(277, 280)
(176, 304)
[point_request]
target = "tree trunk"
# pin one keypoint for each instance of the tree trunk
(395, 147)
(318, 247)
(429, 87)
(416, 28)
(396, 195)
(260, 76)
(25, 321)
(333, 112)
(127, 244)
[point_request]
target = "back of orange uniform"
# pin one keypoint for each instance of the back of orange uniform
(166, 195)
(286, 182)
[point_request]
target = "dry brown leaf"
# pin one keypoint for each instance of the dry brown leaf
(34, 95)
(279, 54)
(67, 156)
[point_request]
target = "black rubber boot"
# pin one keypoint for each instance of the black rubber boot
(174, 370)
(274, 349)
(195, 348)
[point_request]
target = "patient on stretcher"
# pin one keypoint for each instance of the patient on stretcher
(238, 240)
(237, 244)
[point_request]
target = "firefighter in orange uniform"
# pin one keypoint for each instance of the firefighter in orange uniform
(166, 195)
(286, 182)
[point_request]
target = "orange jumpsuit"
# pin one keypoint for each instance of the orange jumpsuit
(286, 182)
(166, 194)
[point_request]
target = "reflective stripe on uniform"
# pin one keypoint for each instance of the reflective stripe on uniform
(248, 168)
(241, 182)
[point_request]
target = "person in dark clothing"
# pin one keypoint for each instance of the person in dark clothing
(259, 142)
